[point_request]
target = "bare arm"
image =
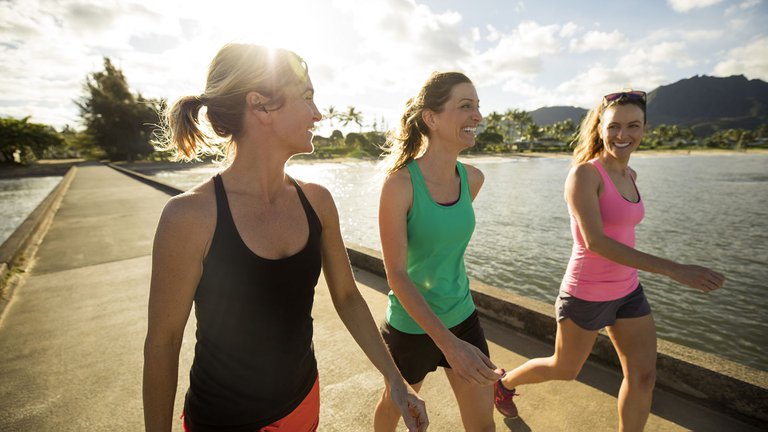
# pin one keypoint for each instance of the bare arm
(581, 193)
(356, 316)
(475, 178)
(464, 358)
(179, 247)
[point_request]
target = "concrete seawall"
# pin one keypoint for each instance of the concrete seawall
(733, 389)
(17, 249)
(709, 380)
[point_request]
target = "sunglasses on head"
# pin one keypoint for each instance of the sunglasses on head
(629, 95)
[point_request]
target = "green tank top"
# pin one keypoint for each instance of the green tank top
(438, 235)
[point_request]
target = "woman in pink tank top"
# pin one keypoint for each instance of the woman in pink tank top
(600, 288)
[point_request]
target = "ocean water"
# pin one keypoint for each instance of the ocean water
(704, 209)
(18, 197)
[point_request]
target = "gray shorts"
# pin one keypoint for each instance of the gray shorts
(591, 315)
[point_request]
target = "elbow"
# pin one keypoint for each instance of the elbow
(397, 278)
(347, 301)
(594, 244)
(162, 344)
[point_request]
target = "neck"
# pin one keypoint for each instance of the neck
(257, 169)
(614, 164)
(438, 162)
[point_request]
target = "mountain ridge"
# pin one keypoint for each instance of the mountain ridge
(704, 103)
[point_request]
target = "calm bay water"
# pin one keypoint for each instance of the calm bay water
(710, 210)
(18, 197)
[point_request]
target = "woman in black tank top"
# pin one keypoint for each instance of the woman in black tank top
(246, 248)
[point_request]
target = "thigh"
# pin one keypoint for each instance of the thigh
(475, 401)
(635, 343)
(573, 344)
(470, 331)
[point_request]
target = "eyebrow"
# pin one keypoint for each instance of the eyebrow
(629, 123)
(468, 99)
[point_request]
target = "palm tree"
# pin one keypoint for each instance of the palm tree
(352, 116)
(493, 122)
(331, 114)
(518, 121)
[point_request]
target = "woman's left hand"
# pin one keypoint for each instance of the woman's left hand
(701, 278)
(411, 406)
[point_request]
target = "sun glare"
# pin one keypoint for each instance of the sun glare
(278, 24)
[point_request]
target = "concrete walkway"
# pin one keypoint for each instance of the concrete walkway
(72, 338)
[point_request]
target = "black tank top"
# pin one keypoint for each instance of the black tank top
(254, 359)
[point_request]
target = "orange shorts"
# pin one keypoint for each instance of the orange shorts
(305, 418)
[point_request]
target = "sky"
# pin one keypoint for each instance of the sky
(375, 54)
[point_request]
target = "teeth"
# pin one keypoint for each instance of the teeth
(621, 145)
(469, 130)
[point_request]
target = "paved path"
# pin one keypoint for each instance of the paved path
(72, 338)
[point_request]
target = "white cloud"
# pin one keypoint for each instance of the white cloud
(749, 60)
(746, 4)
(647, 63)
(493, 34)
(687, 5)
(669, 52)
(586, 88)
(372, 57)
(702, 35)
(568, 30)
(598, 41)
(475, 34)
(515, 54)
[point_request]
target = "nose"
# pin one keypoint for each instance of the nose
(316, 115)
(478, 116)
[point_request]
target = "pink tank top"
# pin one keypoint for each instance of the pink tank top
(590, 276)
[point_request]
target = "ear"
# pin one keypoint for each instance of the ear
(600, 131)
(430, 119)
(256, 102)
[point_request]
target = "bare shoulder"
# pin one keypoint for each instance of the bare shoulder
(397, 186)
(475, 177)
(633, 173)
(583, 178)
(473, 171)
(191, 211)
(399, 180)
(320, 198)
(584, 171)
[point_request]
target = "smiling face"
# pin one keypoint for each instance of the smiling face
(295, 120)
(621, 128)
(458, 121)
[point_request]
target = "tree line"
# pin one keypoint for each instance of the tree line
(119, 125)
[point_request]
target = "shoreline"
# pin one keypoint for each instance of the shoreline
(59, 167)
(41, 168)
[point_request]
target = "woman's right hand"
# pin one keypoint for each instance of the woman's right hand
(701, 278)
(470, 363)
(412, 407)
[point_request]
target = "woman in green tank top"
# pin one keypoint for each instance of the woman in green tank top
(425, 221)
